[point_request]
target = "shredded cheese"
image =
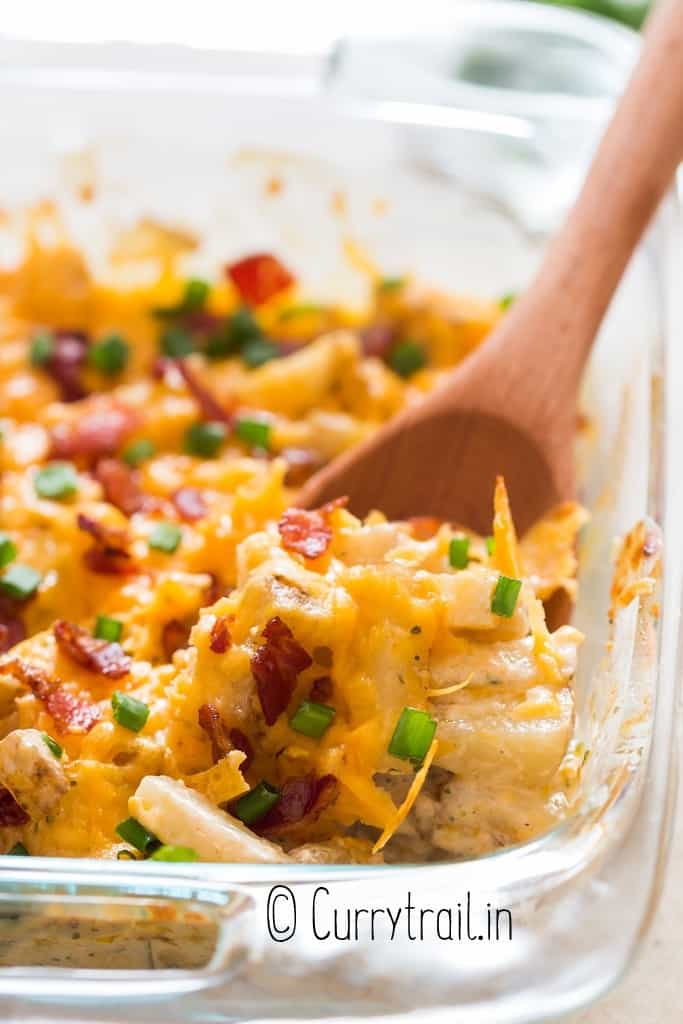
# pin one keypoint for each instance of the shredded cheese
(505, 555)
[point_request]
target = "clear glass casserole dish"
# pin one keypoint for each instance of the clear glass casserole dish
(224, 942)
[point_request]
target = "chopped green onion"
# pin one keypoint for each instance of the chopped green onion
(303, 309)
(176, 342)
(205, 438)
(413, 735)
(175, 854)
(42, 348)
(20, 581)
(58, 480)
(505, 301)
(139, 451)
(254, 432)
(108, 629)
(505, 596)
(490, 546)
(194, 297)
(255, 804)
(109, 355)
(53, 746)
(221, 344)
(407, 358)
(131, 831)
(239, 330)
(18, 850)
(391, 284)
(129, 712)
(459, 552)
(312, 719)
(259, 351)
(8, 550)
(165, 537)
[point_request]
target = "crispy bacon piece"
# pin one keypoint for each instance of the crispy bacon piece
(321, 691)
(70, 714)
(100, 431)
(275, 666)
(220, 640)
(301, 463)
(189, 504)
(210, 407)
(215, 589)
(12, 629)
(308, 532)
(121, 486)
(302, 798)
(222, 740)
(109, 556)
(175, 635)
(259, 277)
(100, 656)
(424, 527)
(11, 813)
(377, 340)
(64, 365)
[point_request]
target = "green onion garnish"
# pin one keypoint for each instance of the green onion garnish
(251, 807)
(312, 719)
(8, 550)
(175, 854)
(259, 351)
(131, 831)
(505, 301)
(20, 581)
(490, 546)
(205, 439)
(194, 297)
(413, 735)
(459, 552)
(18, 850)
(505, 596)
(239, 330)
(303, 309)
(57, 481)
(129, 712)
(391, 284)
(42, 348)
(253, 432)
(53, 746)
(407, 358)
(165, 537)
(138, 452)
(176, 342)
(108, 629)
(109, 355)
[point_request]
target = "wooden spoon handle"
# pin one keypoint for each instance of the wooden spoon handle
(630, 173)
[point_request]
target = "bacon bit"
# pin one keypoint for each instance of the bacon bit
(275, 666)
(65, 364)
(107, 659)
(109, 556)
(11, 813)
(377, 340)
(214, 590)
(70, 714)
(321, 691)
(99, 431)
(424, 527)
(301, 464)
(308, 532)
(259, 277)
(221, 640)
(120, 484)
(175, 636)
(302, 797)
(12, 629)
(189, 504)
(210, 407)
(241, 742)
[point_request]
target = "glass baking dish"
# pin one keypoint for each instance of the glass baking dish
(202, 942)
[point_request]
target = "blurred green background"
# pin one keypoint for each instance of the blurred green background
(629, 12)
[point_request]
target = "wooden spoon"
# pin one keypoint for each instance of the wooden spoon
(511, 407)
